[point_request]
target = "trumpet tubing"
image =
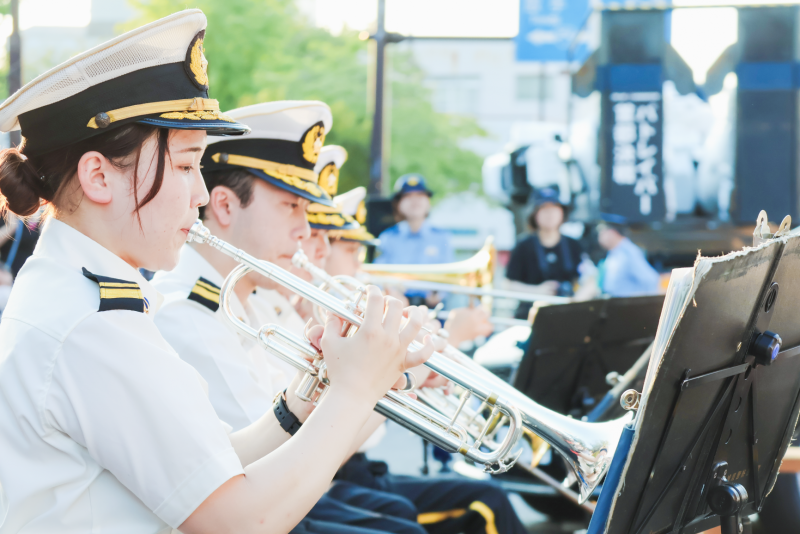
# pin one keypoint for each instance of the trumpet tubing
(587, 448)
(424, 421)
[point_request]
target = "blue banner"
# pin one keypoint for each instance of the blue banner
(547, 28)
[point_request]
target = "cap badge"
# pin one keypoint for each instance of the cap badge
(412, 182)
(196, 63)
(361, 212)
(313, 140)
(329, 178)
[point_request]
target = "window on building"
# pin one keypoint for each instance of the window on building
(534, 87)
(456, 94)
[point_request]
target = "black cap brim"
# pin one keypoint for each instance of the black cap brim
(212, 127)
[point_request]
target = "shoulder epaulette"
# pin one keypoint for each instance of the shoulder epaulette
(116, 294)
(206, 293)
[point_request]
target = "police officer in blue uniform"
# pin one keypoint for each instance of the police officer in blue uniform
(414, 240)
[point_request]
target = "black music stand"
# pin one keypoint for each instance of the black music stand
(718, 411)
(574, 346)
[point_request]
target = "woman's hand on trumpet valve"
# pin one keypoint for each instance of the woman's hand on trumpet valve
(374, 359)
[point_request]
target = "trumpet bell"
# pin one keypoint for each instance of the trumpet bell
(473, 276)
(477, 271)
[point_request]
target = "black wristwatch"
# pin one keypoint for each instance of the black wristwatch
(288, 421)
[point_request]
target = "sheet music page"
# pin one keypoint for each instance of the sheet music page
(675, 301)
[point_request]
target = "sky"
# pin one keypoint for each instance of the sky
(477, 18)
(54, 13)
(698, 34)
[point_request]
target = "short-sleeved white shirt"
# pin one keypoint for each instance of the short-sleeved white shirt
(242, 381)
(102, 427)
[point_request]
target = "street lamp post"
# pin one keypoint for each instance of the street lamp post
(381, 38)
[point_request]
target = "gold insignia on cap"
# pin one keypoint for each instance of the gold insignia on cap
(361, 212)
(198, 106)
(313, 140)
(294, 181)
(196, 63)
(359, 234)
(329, 219)
(329, 178)
(197, 116)
(412, 182)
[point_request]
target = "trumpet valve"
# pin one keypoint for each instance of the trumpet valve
(307, 390)
(313, 385)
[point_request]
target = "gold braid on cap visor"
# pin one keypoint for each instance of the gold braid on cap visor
(298, 177)
(359, 234)
(190, 108)
(330, 219)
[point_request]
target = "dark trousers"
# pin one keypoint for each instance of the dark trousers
(445, 505)
(349, 508)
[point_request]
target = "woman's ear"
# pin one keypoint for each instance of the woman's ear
(93, 179)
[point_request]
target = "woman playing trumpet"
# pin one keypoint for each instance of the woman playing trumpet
(102, 427)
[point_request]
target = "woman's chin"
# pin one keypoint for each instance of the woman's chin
(167, 260)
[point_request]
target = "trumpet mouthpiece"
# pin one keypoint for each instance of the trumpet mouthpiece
(198, 233)
(300, 260)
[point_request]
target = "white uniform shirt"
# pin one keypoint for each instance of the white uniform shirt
(102, 427)
(241, 380)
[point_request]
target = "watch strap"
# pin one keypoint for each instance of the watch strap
(288, 421)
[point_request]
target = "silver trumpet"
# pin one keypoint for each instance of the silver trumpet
(587, 448)
(426, 422)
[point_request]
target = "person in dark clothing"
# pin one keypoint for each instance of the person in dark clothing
(545, 261)
(451, 504)
(17, 241)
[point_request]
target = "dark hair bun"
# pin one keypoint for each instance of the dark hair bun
(20, 186)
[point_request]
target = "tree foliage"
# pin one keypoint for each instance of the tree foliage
(264, 50)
